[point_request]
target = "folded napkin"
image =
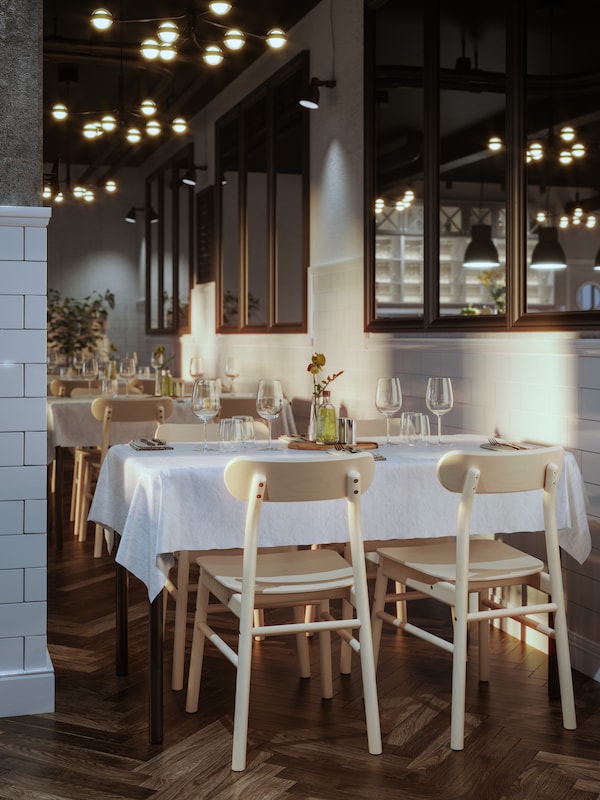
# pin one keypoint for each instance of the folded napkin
(148, 444)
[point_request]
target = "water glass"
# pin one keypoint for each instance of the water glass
(412, 427)
(247, 426)
(230, 431)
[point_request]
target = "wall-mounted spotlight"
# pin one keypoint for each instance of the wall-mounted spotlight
(311, 98)
(190, 179)
(131, 215)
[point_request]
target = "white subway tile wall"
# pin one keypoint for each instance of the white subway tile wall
(26, 674)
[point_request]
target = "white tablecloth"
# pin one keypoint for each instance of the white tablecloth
(70, 422)
(172, 500)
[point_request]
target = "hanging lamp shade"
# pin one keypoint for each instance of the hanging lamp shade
(548, 253)
(481, 252)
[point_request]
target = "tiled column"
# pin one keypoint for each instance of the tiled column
(26, 674)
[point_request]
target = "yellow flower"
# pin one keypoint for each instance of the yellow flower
(316, 365)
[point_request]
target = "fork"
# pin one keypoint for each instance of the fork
(346, 448)
(497, 443)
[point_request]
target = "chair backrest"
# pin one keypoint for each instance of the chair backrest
(305, 478)
(66, 388)
(485, 472)
(194, 431)
(501, 471)
(129, 409)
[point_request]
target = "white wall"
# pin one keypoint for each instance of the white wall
(26, 674)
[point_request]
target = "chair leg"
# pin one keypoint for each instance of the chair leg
(197, 654)
(98, 541)
(378, 606)
(565, 675)
(345, 649)
(484, 648)
(325, 656)
(301, 643)
(242, 694)
(459, 676)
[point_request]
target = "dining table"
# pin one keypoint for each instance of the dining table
(157, 503)
(69, 424)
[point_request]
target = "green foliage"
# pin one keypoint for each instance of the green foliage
(77, 324)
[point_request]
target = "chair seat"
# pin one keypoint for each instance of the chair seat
(489, 560)
(308, 571)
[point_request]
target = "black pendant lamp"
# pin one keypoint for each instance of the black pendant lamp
(481, 252)
(548, 253)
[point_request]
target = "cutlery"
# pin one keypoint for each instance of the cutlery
(502, 442)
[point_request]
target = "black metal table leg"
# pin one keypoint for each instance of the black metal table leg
(121, 622)
(155, 653)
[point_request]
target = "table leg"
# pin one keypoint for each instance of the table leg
(155, 652)
(121, 622)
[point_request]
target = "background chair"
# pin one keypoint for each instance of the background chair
(452, 572)
(178, 584)
(109, 410)
(292, 580)
(73, 387)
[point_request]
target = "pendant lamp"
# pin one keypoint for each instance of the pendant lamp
(548, 253)
(481, 252)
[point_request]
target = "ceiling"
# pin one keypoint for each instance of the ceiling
(91, 71)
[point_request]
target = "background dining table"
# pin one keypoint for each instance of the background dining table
(164, 501)
(69, 423)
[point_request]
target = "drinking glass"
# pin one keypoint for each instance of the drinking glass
(388, 400)
(77, 362)
(269, 403)
(413, 427)
(206, 402)
(247, 425)
(127, 371)
(230, 431)
(439, 400)
(156, 362)
(89, 372)
(196, 367)
(132, 354)
(232, 369)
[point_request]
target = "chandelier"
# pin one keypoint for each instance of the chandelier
(163, 45)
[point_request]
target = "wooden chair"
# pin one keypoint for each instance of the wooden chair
(73, 388)
(108, 410)
(288, 580)
(469, 567)
(178, 585)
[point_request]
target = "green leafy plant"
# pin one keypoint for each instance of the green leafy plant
(77, 324)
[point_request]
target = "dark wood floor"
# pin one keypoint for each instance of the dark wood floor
(96, 746)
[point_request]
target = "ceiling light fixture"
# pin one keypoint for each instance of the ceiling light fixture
(131, 215)
(481, 252)
(190, 178)
(312, 96)
(548, 253)
(169, 33)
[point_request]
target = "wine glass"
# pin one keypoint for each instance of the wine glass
(89, 371)
(232, 369)
(127, 371)
(439, 400)
(269, 403)
(77, 362)
(388, 400)
(156, 361)
(132, 354)
(206, 401)
(196, 367)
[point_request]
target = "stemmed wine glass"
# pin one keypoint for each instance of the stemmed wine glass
(269, 403)
(439, 400)
(196, 367)
(77, 362)
(127, 371)
(206, 402)
(89, 371)
(232, 369)
(388, 401)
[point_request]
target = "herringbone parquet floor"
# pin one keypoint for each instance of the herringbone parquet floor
(95, 745)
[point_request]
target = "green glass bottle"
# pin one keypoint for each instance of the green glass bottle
(326, 421)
